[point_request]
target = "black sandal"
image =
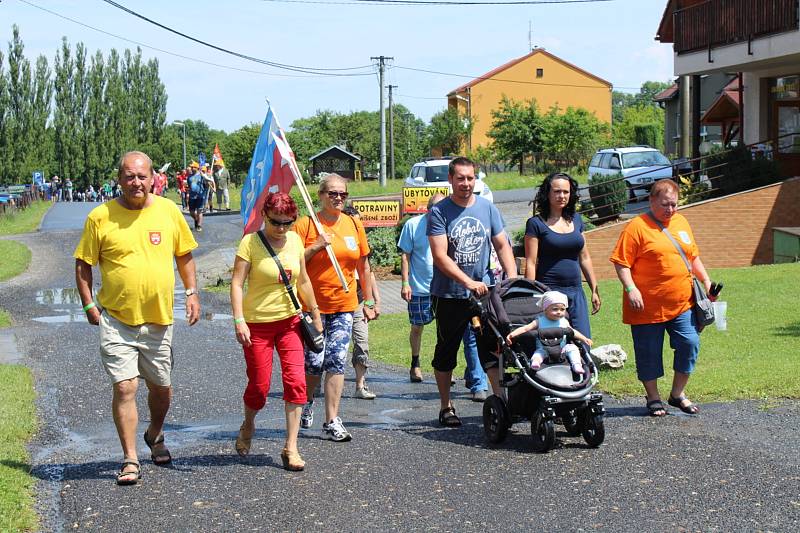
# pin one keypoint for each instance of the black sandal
(448, 418)
(690, 409)
(166, 457)
(123, 476)
(656, 408)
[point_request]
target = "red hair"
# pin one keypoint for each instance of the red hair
(280, 203)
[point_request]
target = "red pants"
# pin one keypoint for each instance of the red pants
(283, 335)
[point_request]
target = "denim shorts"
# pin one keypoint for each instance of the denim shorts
(419, 311)
(336, 327)
(648, 345)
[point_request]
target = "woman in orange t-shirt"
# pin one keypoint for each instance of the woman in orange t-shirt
(658, 295)
(348, 239)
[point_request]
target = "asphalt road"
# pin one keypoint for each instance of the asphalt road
(734, 467)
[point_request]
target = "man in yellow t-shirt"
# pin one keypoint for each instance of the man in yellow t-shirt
(134, 239)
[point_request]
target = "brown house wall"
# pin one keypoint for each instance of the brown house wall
(733, 231)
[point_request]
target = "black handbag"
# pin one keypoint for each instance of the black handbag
(312, 338)
(703, 307)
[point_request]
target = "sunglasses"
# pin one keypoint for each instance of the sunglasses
(281, 223)
(336, 194)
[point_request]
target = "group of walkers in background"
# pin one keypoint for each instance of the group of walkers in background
(287, 266)
(57, 190)
(198, 185)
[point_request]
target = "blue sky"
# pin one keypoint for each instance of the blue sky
(613, 40)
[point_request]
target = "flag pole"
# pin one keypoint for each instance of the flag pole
(301, 186)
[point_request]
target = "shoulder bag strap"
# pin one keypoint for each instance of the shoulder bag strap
(666, 232)
(280, 268)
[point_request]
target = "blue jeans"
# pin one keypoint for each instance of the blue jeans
(648, 345)
(474, 376)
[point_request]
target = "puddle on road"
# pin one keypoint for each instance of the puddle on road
(67, 303)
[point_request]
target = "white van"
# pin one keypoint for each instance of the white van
(641, 166)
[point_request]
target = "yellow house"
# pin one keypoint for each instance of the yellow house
(538, 75)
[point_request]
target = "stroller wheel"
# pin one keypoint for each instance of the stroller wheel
(595, 432)
(543, 432)
(572, 423)
(496, 419)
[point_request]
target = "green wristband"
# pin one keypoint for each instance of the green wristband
(238, 320)
(369, 303)
(89, 306)
(406, 284)
(630, 288)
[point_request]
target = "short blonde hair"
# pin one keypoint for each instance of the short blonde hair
(325, 182)
(135, 153)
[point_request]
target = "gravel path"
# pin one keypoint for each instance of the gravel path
(735, 467)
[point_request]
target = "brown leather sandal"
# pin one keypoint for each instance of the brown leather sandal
(243, 443)
(292, 461)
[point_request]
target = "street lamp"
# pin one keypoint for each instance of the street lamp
(179, 123)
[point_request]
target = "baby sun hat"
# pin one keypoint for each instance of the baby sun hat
(554, 297)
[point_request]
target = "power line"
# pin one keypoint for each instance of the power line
(438, 2)
(174, 54)
(485, 78)
(295, 68)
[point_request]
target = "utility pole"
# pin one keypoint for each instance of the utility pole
(391, 132)
(381, 66)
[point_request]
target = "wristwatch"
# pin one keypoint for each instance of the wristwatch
(189, 292)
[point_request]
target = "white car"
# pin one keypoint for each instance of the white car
(641, 166)
(433, 172)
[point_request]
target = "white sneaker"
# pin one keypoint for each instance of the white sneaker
(307, 416)
(335, 431)
(365, 394)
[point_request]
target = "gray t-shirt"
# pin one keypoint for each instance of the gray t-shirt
(469, 233)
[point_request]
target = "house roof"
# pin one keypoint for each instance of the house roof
(492, 73)
(726, 107)
(667, 94)
(332, 149)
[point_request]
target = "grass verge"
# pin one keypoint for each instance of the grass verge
(754, 359)
(23, 221)
(16, 258)
(5, 318)
(17, 424)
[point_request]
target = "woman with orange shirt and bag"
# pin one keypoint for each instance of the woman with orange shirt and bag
(348, 239)
(658, 294)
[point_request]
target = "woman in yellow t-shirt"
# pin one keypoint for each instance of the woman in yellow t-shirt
(346, 236)
(266, 319)
(658, 294)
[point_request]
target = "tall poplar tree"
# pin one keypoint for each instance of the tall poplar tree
(18, 108)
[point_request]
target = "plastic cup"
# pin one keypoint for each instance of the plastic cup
(720, 320)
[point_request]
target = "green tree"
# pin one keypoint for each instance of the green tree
(623, 131)
(4, 147)
(18, 111)
(516, 130)
(237, 150)
(40, 155)
(65, 123)
(572, 136)
(449, 131)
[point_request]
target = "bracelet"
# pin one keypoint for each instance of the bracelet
(238, 320)
(88, 306)
(630, 288)
(406, 284)
(369, 303)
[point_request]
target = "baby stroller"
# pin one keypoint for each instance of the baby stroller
(543, 395)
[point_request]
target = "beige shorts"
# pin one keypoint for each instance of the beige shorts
(131, 351)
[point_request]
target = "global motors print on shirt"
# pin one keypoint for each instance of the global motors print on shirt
(467, 239)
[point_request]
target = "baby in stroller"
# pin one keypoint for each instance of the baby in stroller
(554, 305)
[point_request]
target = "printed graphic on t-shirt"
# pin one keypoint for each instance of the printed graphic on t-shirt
(467, 237)
(288, 275)
(155, 237)
(685, 237)
(351, 243)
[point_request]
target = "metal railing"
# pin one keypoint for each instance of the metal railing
(720, 22)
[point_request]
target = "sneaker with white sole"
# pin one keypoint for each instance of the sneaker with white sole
(307, 416)
(365, 394)
(335, 431)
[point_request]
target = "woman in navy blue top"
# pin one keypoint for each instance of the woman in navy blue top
(555, 249)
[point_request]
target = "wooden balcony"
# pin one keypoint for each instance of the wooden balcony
(716, 23)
